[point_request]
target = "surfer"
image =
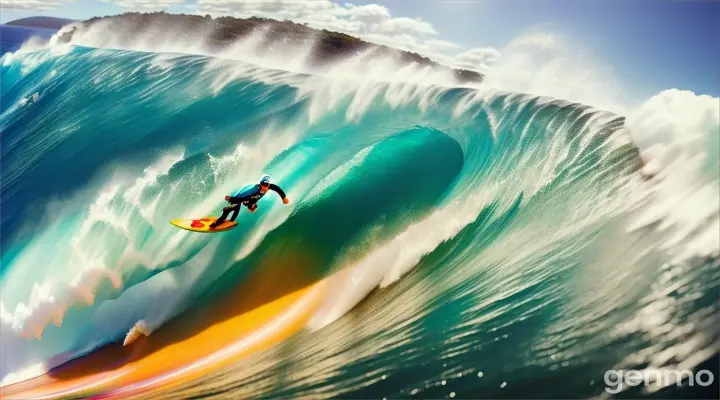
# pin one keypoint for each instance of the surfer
(248, 196)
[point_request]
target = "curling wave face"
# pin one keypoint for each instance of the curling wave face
(497, 225)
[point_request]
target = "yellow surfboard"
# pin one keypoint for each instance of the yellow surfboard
(202, 224)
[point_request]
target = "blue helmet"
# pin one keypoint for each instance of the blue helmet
(265, 181)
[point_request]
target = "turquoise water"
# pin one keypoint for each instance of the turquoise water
(488, 234)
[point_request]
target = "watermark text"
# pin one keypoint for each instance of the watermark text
(618, 380)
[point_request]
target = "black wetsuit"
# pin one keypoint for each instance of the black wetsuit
(248, 196)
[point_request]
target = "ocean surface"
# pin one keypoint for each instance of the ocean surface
(12, 37)
(441, 241)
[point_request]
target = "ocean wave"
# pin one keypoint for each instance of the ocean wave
(390, 168)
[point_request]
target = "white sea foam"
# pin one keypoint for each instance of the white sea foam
(677, 132)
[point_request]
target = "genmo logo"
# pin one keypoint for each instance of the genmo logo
(617, 380)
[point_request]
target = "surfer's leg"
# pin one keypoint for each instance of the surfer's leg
(236, 210)
(226, 211)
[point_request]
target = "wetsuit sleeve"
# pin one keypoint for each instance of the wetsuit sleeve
(277, 190)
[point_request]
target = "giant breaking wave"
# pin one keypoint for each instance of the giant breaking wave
(389, 168)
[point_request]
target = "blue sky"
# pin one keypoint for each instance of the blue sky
(651, 45)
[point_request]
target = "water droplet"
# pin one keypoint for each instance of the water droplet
(414, 391)
(452, 394)
(459, 374)
(503, 384)
(443, 383)
(384, 376)
(480, 374)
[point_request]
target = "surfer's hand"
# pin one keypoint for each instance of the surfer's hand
(227, 198)
(286, 200)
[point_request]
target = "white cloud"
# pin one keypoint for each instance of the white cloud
(31, 5)
(279, 9)
(370, 13)
(679, 121)
(441, 45)
(539, 40)
(404, 25)
(480, 57)
(144, 5)
(44, 5)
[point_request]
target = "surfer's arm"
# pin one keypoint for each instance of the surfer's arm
(280, 192)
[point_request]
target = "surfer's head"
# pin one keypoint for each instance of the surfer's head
(265, 183)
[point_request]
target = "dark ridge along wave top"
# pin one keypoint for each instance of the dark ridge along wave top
(220, 32)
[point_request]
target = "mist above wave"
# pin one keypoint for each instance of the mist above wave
(192, 34)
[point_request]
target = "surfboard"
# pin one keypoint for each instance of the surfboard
(202, 224)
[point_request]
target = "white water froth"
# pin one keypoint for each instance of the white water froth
(136, 332)
(14, 353)
(33, 56)
(677, 131)
(359, 79)
(547, 64)
(68, 273)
